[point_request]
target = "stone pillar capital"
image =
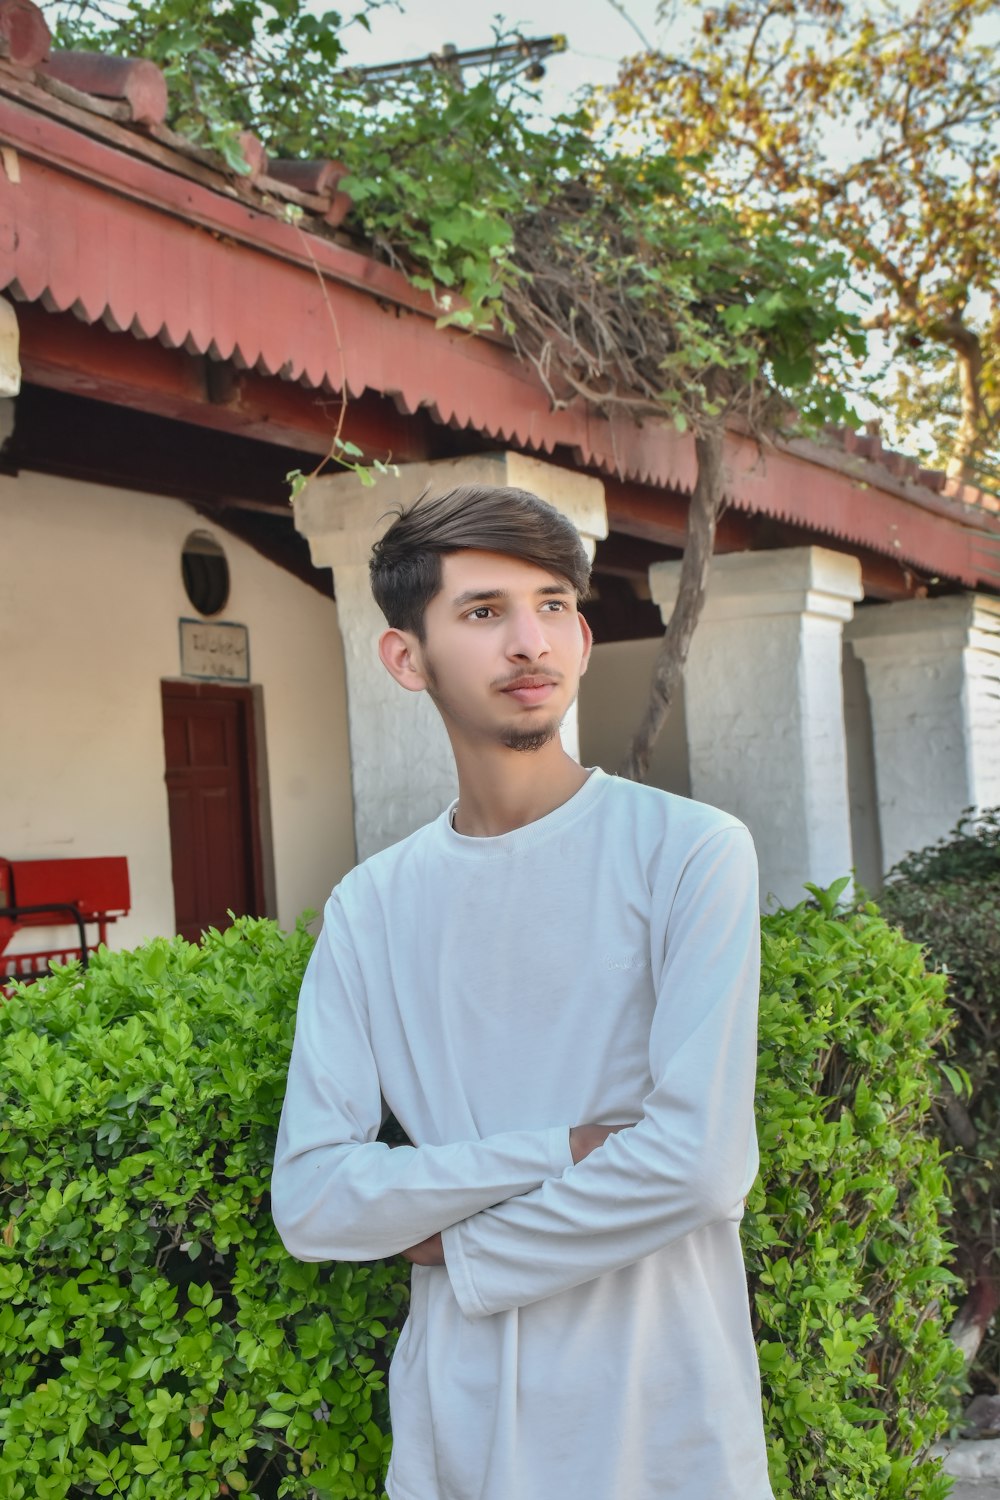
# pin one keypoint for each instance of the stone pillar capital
(794, 581)
(341, 520)
(926, 627)
(341, 517)
(932, 669)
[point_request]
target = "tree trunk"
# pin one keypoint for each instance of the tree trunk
(973, 424)
(703, 515)
(978, 1310)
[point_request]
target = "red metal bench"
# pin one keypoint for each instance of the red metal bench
(58, 893)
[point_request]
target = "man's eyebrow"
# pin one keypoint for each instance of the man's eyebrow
(486, 596)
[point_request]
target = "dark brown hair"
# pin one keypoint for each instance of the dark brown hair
(406, 561)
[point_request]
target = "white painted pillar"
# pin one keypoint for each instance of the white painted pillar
(10, 350)
(932, 668)
(401, 763)
(764, 699)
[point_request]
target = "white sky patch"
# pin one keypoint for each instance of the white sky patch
(598, 37)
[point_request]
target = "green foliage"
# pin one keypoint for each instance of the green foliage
(970, 852)
(437, 172)
(158, 1343)
(156, 1340)
(226, 64)
(844, 1240)
(441, 178)
(947, 897)
(449, 181)
(613, 271)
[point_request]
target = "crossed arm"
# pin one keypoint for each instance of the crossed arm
(338, 1193)
(526, 1214)
(582, 1140)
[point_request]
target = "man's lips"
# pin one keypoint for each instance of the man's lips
(530, 690)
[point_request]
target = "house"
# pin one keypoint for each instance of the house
(188, 661)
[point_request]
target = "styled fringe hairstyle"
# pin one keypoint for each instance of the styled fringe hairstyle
(406, 561)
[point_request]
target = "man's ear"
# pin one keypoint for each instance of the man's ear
(400, 655)
(588, 642)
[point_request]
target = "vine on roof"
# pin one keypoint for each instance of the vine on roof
(616, 274)
(637, 292)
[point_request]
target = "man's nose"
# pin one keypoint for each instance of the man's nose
(527, 636)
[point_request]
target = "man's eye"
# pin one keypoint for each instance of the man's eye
(555, 604)
(482, 613)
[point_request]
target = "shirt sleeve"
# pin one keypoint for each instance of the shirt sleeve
(337, 1193)
(691, 1158)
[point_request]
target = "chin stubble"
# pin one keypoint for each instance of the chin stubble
(530, 739)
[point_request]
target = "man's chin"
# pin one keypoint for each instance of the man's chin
(531, 739)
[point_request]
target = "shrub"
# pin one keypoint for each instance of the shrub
(155, 1338)
(158, 1342)
(947, 897)
(844, 1239)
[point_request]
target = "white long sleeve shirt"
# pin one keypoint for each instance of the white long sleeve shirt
(589, 1336)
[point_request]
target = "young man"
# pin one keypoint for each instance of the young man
(553, 988)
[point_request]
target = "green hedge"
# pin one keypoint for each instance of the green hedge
(947, 897)
(156, 1341)
(846, 1240)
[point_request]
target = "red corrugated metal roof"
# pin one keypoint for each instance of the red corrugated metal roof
(126, 225)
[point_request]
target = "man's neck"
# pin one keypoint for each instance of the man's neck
(505, 789)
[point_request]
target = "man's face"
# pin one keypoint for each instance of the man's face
(503, 649)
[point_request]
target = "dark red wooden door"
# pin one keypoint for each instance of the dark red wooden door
(208, 736)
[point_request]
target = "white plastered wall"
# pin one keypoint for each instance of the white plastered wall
(613, 697)
(90, 597)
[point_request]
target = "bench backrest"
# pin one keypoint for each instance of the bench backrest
(99, 887)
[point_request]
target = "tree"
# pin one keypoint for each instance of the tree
(872, 122)
(615, 274)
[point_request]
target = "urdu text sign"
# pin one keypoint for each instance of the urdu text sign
(215, 650)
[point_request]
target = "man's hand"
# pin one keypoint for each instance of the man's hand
(427, 1253)
(586, 1138)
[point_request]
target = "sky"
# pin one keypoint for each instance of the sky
(597, 33)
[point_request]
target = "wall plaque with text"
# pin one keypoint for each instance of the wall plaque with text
(216, 650)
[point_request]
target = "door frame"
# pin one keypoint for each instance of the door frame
(248, 699)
